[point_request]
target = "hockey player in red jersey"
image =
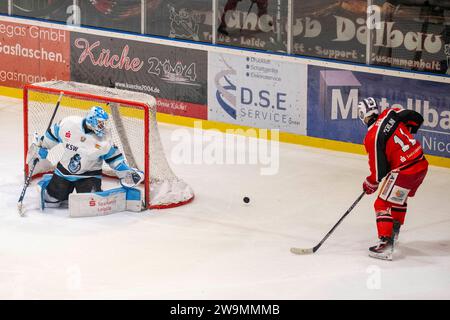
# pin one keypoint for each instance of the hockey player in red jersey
(397, 157)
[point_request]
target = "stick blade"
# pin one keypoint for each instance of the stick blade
(20, 209)
(302, 251)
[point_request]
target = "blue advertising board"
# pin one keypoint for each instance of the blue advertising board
(333, 97)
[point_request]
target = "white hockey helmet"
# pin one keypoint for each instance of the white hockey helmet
(367, 108)
(96, 120)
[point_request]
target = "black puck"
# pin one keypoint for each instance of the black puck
(246, 199)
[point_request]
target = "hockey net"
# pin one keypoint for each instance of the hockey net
(133, 126)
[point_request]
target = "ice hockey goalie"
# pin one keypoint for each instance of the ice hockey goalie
(87, 144)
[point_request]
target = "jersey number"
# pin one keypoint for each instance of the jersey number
(404, 141)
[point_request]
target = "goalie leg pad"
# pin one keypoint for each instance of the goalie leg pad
(46, 200)
(105, 202)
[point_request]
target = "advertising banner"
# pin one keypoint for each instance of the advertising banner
(257, 24)
(330, 29)
(411, 34)
(32, 54)
(333, 97)
(257, 92)
(176, 77)
(410, 37)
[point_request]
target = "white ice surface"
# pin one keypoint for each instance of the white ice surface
(219, 248)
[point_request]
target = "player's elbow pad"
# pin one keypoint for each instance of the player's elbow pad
(412, 119)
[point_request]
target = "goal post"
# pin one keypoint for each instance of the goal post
(133, 129)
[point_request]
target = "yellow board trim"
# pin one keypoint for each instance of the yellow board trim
(11, 92)
(284, 137)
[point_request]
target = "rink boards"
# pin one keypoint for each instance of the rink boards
(312, 102)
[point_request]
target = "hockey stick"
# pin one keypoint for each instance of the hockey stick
(35, 161)
(314, 249)
(248, 12)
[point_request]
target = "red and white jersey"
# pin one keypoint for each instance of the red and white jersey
(390, 144)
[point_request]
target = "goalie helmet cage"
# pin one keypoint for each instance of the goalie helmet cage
(133, 127)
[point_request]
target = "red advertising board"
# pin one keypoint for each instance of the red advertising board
(178, 108)
(30, 53)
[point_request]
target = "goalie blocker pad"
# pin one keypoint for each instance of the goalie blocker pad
(105, 202)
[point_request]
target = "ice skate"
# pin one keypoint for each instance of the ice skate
(383, 250)
(48, 201)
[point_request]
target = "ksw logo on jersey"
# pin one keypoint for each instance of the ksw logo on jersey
(71, 147)
(75, 163)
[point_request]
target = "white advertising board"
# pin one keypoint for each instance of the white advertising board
(257, 92)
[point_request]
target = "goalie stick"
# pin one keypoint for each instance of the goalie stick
(35, 161)
(314, 249)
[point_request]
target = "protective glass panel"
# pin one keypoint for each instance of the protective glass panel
(256, 24)
(54, 10)
(124, 15)
(4, 7)
(182, 19)
(411, 34)
(330, 29)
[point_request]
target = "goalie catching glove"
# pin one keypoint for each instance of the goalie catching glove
(131, 178)
(36, 152)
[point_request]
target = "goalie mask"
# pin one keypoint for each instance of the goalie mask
(367, 108)
(96, 120)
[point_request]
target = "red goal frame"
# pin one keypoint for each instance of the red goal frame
(99, 98)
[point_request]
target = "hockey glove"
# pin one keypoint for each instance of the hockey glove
(370, 187)
(132, 178)
(36, 152)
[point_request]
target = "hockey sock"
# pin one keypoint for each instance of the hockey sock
(399, 213)
(384, 224)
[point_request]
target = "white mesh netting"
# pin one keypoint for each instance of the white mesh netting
(127, 127)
